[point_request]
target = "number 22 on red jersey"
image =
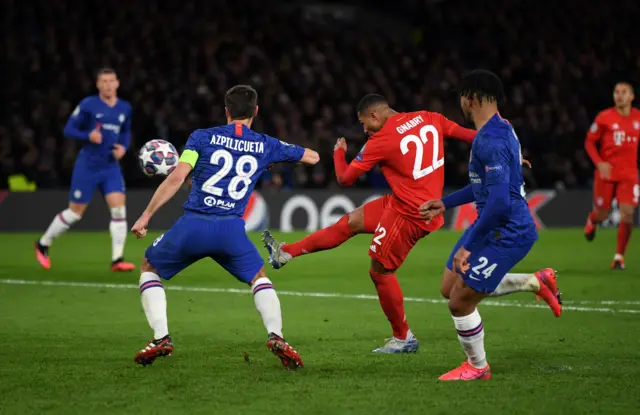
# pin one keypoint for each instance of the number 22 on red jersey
(421, 143)
(425, 147)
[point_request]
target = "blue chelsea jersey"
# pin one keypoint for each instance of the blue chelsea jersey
(113, 122)
(230, 160)
(496, 158)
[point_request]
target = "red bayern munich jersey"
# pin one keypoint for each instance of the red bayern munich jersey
(614, 138)
(410, 151)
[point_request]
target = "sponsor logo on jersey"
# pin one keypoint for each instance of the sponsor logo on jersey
(492, 168)
(219, 203)
(111, 127)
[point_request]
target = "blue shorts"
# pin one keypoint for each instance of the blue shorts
(489, 262)
(85, 180)
(195, 236)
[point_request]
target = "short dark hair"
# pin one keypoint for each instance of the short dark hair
(483, 85)
(105, 71)
(369, 101)
(241, 102)
(627, 83)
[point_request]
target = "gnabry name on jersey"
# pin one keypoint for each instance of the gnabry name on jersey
(237, 145)
(403, 128)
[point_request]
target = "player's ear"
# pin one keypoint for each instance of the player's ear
(255, 113)
(226, 113)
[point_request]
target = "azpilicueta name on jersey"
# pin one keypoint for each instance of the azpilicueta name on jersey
(238, 145)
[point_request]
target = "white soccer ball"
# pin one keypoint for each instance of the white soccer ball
(158, 158)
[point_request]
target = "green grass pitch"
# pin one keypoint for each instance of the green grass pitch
(68, 348)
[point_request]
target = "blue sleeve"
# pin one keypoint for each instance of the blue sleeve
(279, 151)
(194, 142)
(125, 132)
(461, 197)
(497, 174)
(77, 127)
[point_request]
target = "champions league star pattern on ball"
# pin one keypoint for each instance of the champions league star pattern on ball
(158, 157)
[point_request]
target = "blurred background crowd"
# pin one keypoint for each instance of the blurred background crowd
(311, 63)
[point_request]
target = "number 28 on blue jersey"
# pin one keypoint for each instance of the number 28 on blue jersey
(227, 162)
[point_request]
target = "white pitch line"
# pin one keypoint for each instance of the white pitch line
(311, 294)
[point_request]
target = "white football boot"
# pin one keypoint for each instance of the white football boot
(277, 257)
(395, 345)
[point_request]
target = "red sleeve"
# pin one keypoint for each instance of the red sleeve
(369, 156)
(453, 130)
(346, 174)
(593, 137)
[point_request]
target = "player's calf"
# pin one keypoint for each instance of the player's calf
(268, 305)
(624, 235)
(154, 303)
(118, 229)
(470, 328)
(60, 224)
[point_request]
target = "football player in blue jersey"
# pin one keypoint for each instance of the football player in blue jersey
(502, 235)
(103, 124)
(227, 161)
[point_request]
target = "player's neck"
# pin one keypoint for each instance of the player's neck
(624, 111)
(483, 115)
(110, 101)
(245, 121)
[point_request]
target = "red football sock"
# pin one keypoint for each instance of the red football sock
(593, 217)
(624, 234)
(392, 302)
(326, 238)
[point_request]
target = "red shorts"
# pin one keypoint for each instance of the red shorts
(394, 237)
(626, 193)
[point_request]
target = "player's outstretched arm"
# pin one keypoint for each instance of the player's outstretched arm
(454, 130)
(310, 157)
(167, 189)
(433, 208)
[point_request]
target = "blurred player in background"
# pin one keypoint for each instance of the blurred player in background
(402, 143)
(502, 235)
(103, 123)
(227, 162)
(612, 144)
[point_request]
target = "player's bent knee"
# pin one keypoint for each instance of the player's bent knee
(356, 221)
(78, 208)
(115, 199)
(603, 214)
(378, 268)
(261, 274)
(448, 279)
(626, 213)
(145, 266)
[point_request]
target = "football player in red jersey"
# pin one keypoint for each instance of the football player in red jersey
(409, 148)
(612, 144)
